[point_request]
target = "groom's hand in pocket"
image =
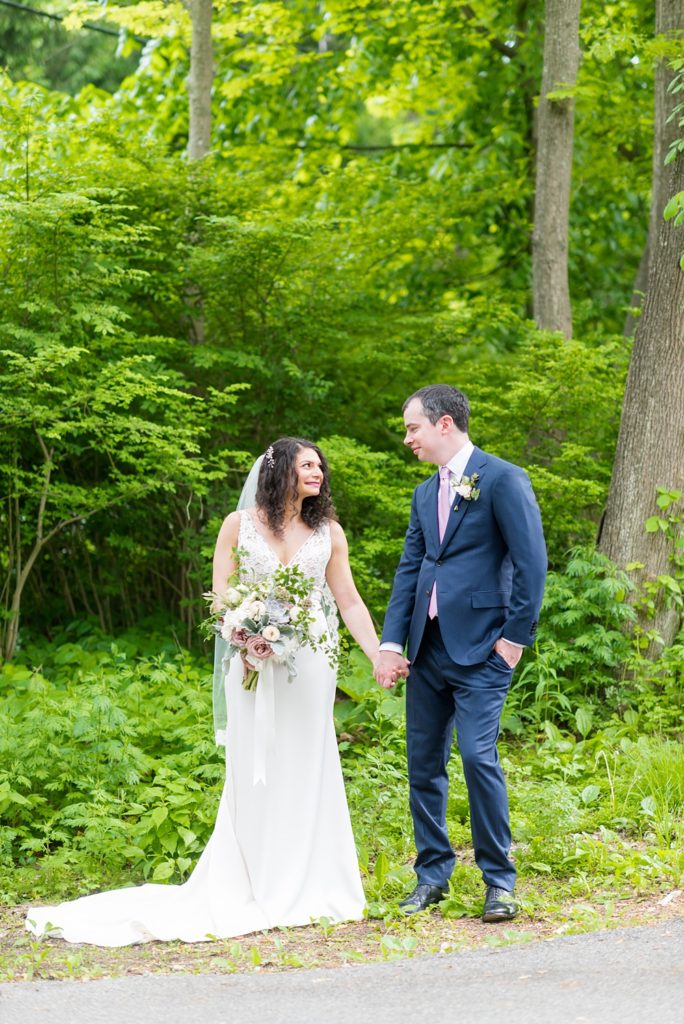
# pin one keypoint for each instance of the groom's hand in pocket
(511, 653)
(388, 667)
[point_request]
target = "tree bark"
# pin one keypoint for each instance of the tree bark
(650, 449)
(555, 133)
(641, 279)
(669, 16)
(200, 79)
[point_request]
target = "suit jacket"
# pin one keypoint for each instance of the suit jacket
(490, 567)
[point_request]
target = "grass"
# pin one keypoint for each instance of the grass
(597, 827)
(110, 778)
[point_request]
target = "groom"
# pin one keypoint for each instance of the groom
(466, 598)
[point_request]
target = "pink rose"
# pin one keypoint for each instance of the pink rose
(239, 637)
(257, 647)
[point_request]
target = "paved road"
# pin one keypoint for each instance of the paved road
(627, 976)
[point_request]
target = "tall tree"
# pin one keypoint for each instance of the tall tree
(650, 450)
(200, 79)
(665, 132)
(556, 116)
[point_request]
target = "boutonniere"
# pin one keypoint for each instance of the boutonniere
(467, 489)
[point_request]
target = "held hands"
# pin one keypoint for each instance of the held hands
(388, 667)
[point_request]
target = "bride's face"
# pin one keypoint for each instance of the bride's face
(309, 473)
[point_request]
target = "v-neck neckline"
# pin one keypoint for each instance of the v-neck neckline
(284, 565)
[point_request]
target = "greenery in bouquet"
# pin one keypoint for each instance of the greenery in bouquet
(269, 619)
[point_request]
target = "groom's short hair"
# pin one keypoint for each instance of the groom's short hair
(442, 400)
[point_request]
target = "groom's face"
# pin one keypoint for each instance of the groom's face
(425, 439)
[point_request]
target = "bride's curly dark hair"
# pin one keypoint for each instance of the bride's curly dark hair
(277, 485)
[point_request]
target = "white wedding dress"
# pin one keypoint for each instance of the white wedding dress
(282, 851)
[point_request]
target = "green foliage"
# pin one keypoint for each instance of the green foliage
(107, 758)
(109, 775)
(613, 783)
(40, 49)
(584, 649)
(372, 492)
(99, 422)
(553, 406)
(371, 732)
(361, 226)
(667, 589)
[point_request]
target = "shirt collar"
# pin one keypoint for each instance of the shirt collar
(457, 464)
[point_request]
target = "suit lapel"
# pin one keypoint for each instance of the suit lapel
(476, 464)
(431, 509)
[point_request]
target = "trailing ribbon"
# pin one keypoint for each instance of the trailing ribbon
(264, 717)
(221, 665)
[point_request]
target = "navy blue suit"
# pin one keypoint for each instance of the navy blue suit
(489, 570)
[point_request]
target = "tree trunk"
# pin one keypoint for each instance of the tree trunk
(555, 130)
(668, 22)
(641, 279)
(199, 137)
(200, 79)
(650, 449)
(23, 569)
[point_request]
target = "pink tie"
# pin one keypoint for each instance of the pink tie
(443, 510)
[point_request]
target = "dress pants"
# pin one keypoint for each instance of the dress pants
(441, 695)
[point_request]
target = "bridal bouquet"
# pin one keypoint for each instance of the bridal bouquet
(271, 619)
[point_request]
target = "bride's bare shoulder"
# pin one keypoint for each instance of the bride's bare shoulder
(337, 534)
(230, 528)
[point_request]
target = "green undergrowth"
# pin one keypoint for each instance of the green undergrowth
(107, 764)
(601, 816)
(109, 774)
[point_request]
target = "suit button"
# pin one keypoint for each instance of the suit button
(438, 562)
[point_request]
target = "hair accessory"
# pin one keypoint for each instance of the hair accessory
(270, 460)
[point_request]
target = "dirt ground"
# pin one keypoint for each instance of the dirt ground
(24, 958)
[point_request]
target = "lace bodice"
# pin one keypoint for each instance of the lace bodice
(258, 559)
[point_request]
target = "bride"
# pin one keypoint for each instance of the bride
(282, 851)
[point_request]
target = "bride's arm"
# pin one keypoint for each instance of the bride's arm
(355, 615)
(224, 553)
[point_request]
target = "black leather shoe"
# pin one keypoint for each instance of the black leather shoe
(422, 897)
(499, 905)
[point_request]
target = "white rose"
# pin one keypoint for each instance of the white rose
(231, 619)
(233, 596)
(270, 633)
(464, 490)
(257, 609)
